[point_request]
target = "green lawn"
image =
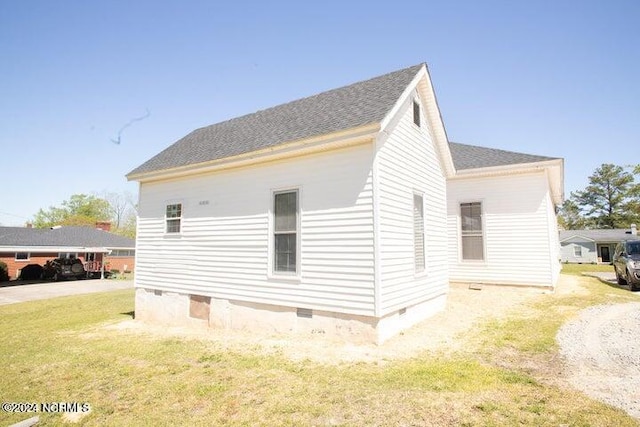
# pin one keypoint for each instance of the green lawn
(59, 351)
(585, 268)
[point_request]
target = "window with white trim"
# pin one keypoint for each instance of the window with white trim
(22, 256)
(418, 231)
(577, 250)
(173, 218)
(285, 232)
(472, 233)
(115, 253)
(69, 255)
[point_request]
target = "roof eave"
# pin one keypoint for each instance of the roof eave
(49, 249)
(325, 142)
(554, 167)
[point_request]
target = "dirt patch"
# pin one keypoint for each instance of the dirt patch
(443, 333)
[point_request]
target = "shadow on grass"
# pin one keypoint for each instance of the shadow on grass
(131, 314)
(611, 283)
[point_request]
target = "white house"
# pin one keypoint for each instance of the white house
(346, 213)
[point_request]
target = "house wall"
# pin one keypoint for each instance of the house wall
(407, 164)
(588, 251)
(223, 249)
(122, 264)
(519, 237)
(15, 266)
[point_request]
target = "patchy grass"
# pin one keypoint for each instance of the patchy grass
(578, 269)
(58, 350)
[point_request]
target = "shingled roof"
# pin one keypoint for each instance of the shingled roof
(62, 237)
(339, 109)
(473, 157)
(603, 235)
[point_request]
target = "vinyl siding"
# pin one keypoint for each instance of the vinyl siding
(407, 164)
(588, 251)
(519, 236)
(223, 248)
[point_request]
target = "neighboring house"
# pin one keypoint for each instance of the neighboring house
(592, 246)
(345, 213)
(96, 247)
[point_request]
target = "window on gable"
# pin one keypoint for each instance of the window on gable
(285, 231)
(577, 250)
(173, 218)
(416, 113)
(471, 231)
(418, 231)
(22, 256)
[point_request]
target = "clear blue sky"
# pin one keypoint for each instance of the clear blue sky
(557, 78)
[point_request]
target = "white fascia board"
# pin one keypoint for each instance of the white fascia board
(49, 249)
(574, 236)
(326, 142)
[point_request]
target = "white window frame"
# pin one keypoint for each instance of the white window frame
(173, 219)
(272, 272)
(577, 250)
(22, 259)
(69, 255)
(482, 234)
(419, 270)
(117, 253)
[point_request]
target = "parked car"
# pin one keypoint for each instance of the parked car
(626, 263)
(64, 268)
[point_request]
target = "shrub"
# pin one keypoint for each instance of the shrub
(4, 272)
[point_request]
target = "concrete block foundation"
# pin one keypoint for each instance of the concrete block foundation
(176, 309)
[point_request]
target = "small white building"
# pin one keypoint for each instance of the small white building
(346, 213)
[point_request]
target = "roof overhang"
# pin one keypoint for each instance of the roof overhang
(331, 141)
(50, 249)
(554, 169)
(576, 236)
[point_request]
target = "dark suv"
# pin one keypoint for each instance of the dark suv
(626, 263)
(63, 268)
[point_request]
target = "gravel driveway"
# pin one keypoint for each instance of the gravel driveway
(601, 350)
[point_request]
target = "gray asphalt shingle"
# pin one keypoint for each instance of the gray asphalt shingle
(63, 236)
(355, 105)
(471, 157)
(604, 236)
(348, 107)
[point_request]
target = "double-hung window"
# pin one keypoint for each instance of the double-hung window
(22, 256)
(173, 218)
(285, 232)
(418, 231)
(472, 233)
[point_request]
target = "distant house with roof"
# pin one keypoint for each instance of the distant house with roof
(346, 213)
(592, 246)
(96, 247)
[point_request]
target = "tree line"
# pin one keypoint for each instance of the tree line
(86, 210)
(611, 200)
